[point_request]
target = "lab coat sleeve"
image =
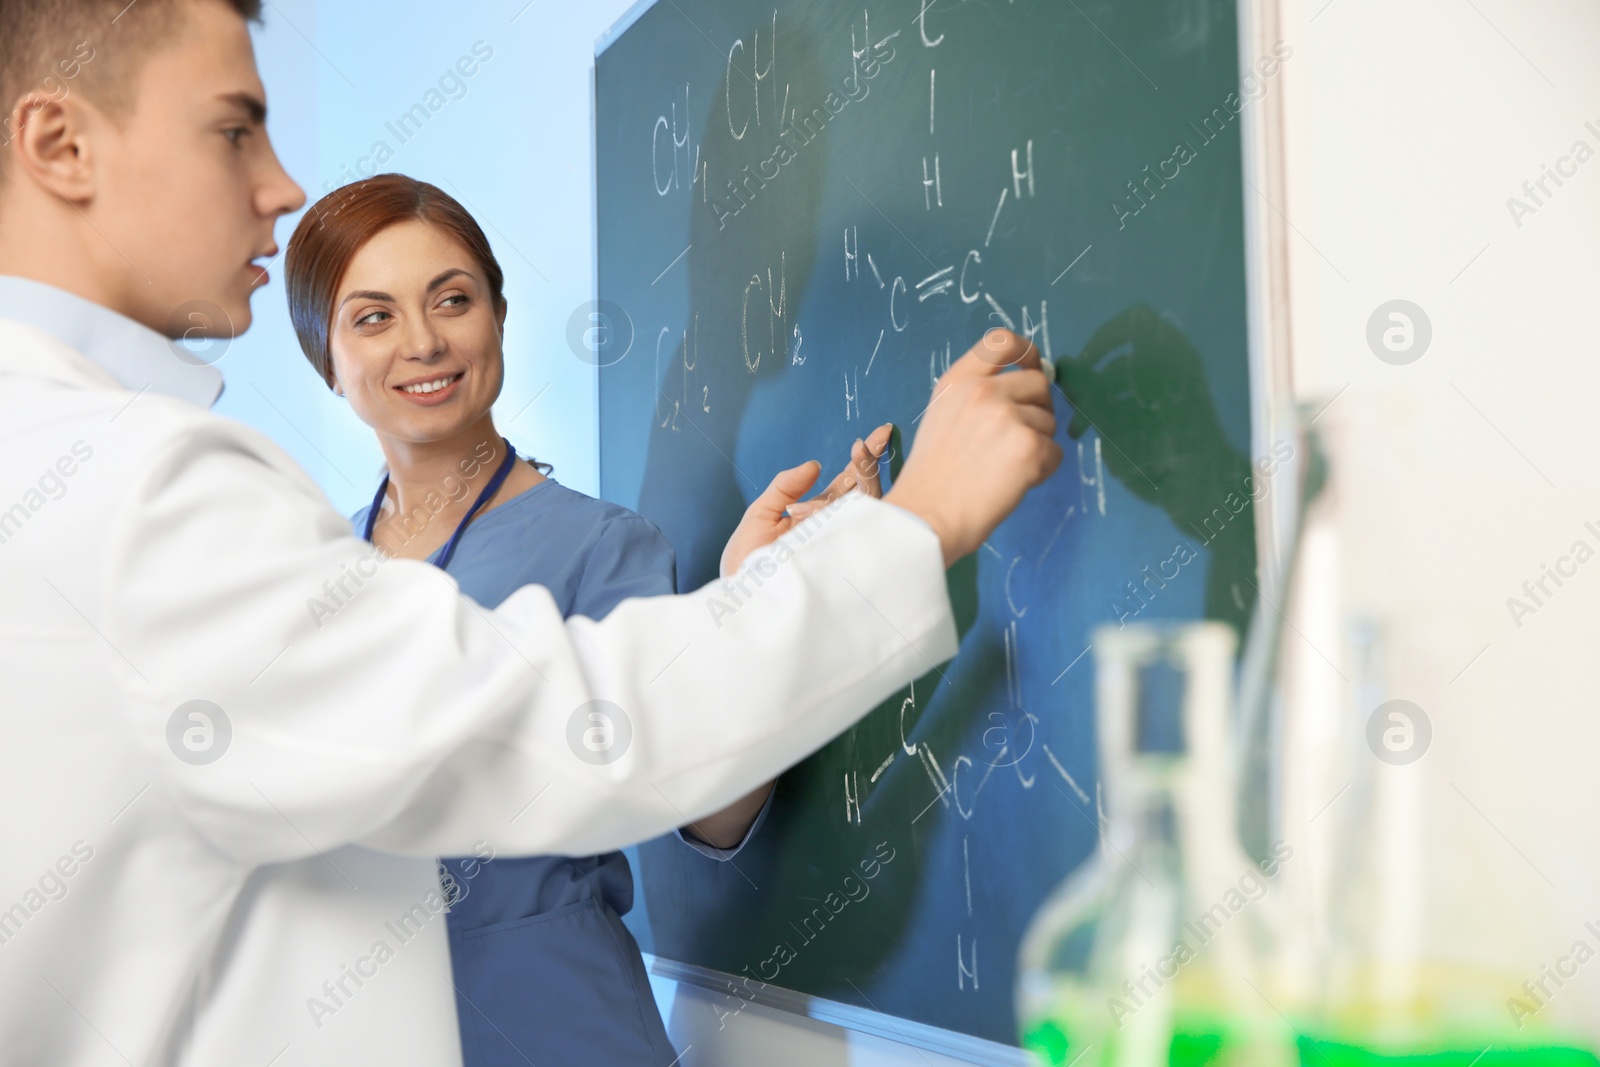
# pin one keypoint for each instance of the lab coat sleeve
(360, 700)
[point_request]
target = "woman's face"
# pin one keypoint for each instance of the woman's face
(415, 337)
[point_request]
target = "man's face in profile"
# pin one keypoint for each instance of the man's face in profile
(187, 186)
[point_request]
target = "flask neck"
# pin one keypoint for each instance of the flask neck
(1184, 825)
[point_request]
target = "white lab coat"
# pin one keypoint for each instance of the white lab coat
(153, 910)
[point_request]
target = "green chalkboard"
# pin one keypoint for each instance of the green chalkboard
(805, 211)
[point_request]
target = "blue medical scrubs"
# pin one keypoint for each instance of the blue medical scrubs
(545, 971)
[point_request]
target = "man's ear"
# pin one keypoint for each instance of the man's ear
(52, 145)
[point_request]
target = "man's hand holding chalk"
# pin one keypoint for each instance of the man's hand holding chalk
(984, 440)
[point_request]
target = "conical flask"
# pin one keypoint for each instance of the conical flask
(1155, 951)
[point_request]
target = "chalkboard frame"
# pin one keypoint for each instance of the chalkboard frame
(902, 1031)
(1271, 285)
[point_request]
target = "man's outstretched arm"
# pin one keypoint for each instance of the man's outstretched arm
(409, 719)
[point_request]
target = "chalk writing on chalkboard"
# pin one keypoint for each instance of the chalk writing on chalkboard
(813, 208)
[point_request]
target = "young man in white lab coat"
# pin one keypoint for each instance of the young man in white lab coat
(196, 771)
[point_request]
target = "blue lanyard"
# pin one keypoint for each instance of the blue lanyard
(484, 497)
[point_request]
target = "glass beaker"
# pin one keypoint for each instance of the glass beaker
(1155, 951)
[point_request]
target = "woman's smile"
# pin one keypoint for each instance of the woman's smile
(431, 392)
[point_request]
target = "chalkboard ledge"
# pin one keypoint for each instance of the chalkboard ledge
(849, 1016)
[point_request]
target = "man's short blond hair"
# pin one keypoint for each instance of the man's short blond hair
(96, 47)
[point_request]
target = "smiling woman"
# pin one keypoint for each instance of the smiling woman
(398, 303)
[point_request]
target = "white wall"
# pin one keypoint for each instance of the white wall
(1459, 475)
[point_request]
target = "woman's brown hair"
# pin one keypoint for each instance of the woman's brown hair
(338, 225)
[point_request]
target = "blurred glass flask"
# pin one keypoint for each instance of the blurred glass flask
(1156, 951)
